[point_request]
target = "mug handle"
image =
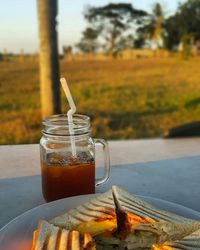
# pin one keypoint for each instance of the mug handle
(104, 145)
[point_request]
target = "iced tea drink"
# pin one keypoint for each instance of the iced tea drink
(64, 173)
(67, 180)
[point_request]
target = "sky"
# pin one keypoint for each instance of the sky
(19, 27)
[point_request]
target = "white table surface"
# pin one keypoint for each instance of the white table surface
(167, 169)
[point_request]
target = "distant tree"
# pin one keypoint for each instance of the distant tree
(173, 34)
(67, 49)
(152, 29)
(184, 23)
(88, 42)
(112, 22)
(139, 42)
(125, 42)
(187, 43)
(158, 23)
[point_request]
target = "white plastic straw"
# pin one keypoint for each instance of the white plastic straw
(70, 114)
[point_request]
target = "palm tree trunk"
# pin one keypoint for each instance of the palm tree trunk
(49, 66)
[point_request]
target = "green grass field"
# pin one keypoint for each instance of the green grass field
(126, 99)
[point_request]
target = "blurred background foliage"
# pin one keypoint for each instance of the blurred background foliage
(140, 97)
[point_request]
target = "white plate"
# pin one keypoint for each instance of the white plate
(17, 234)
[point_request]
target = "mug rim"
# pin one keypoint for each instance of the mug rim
(59, 125)
(47, 120)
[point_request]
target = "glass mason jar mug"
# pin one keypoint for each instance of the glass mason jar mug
(63, 174)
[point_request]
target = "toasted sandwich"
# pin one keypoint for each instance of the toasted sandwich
(118, 220)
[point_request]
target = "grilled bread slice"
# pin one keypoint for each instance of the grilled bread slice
(95, 216)
(49, 237)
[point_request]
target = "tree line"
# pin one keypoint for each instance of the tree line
(116, 27)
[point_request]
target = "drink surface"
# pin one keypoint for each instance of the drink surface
(60, 181)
